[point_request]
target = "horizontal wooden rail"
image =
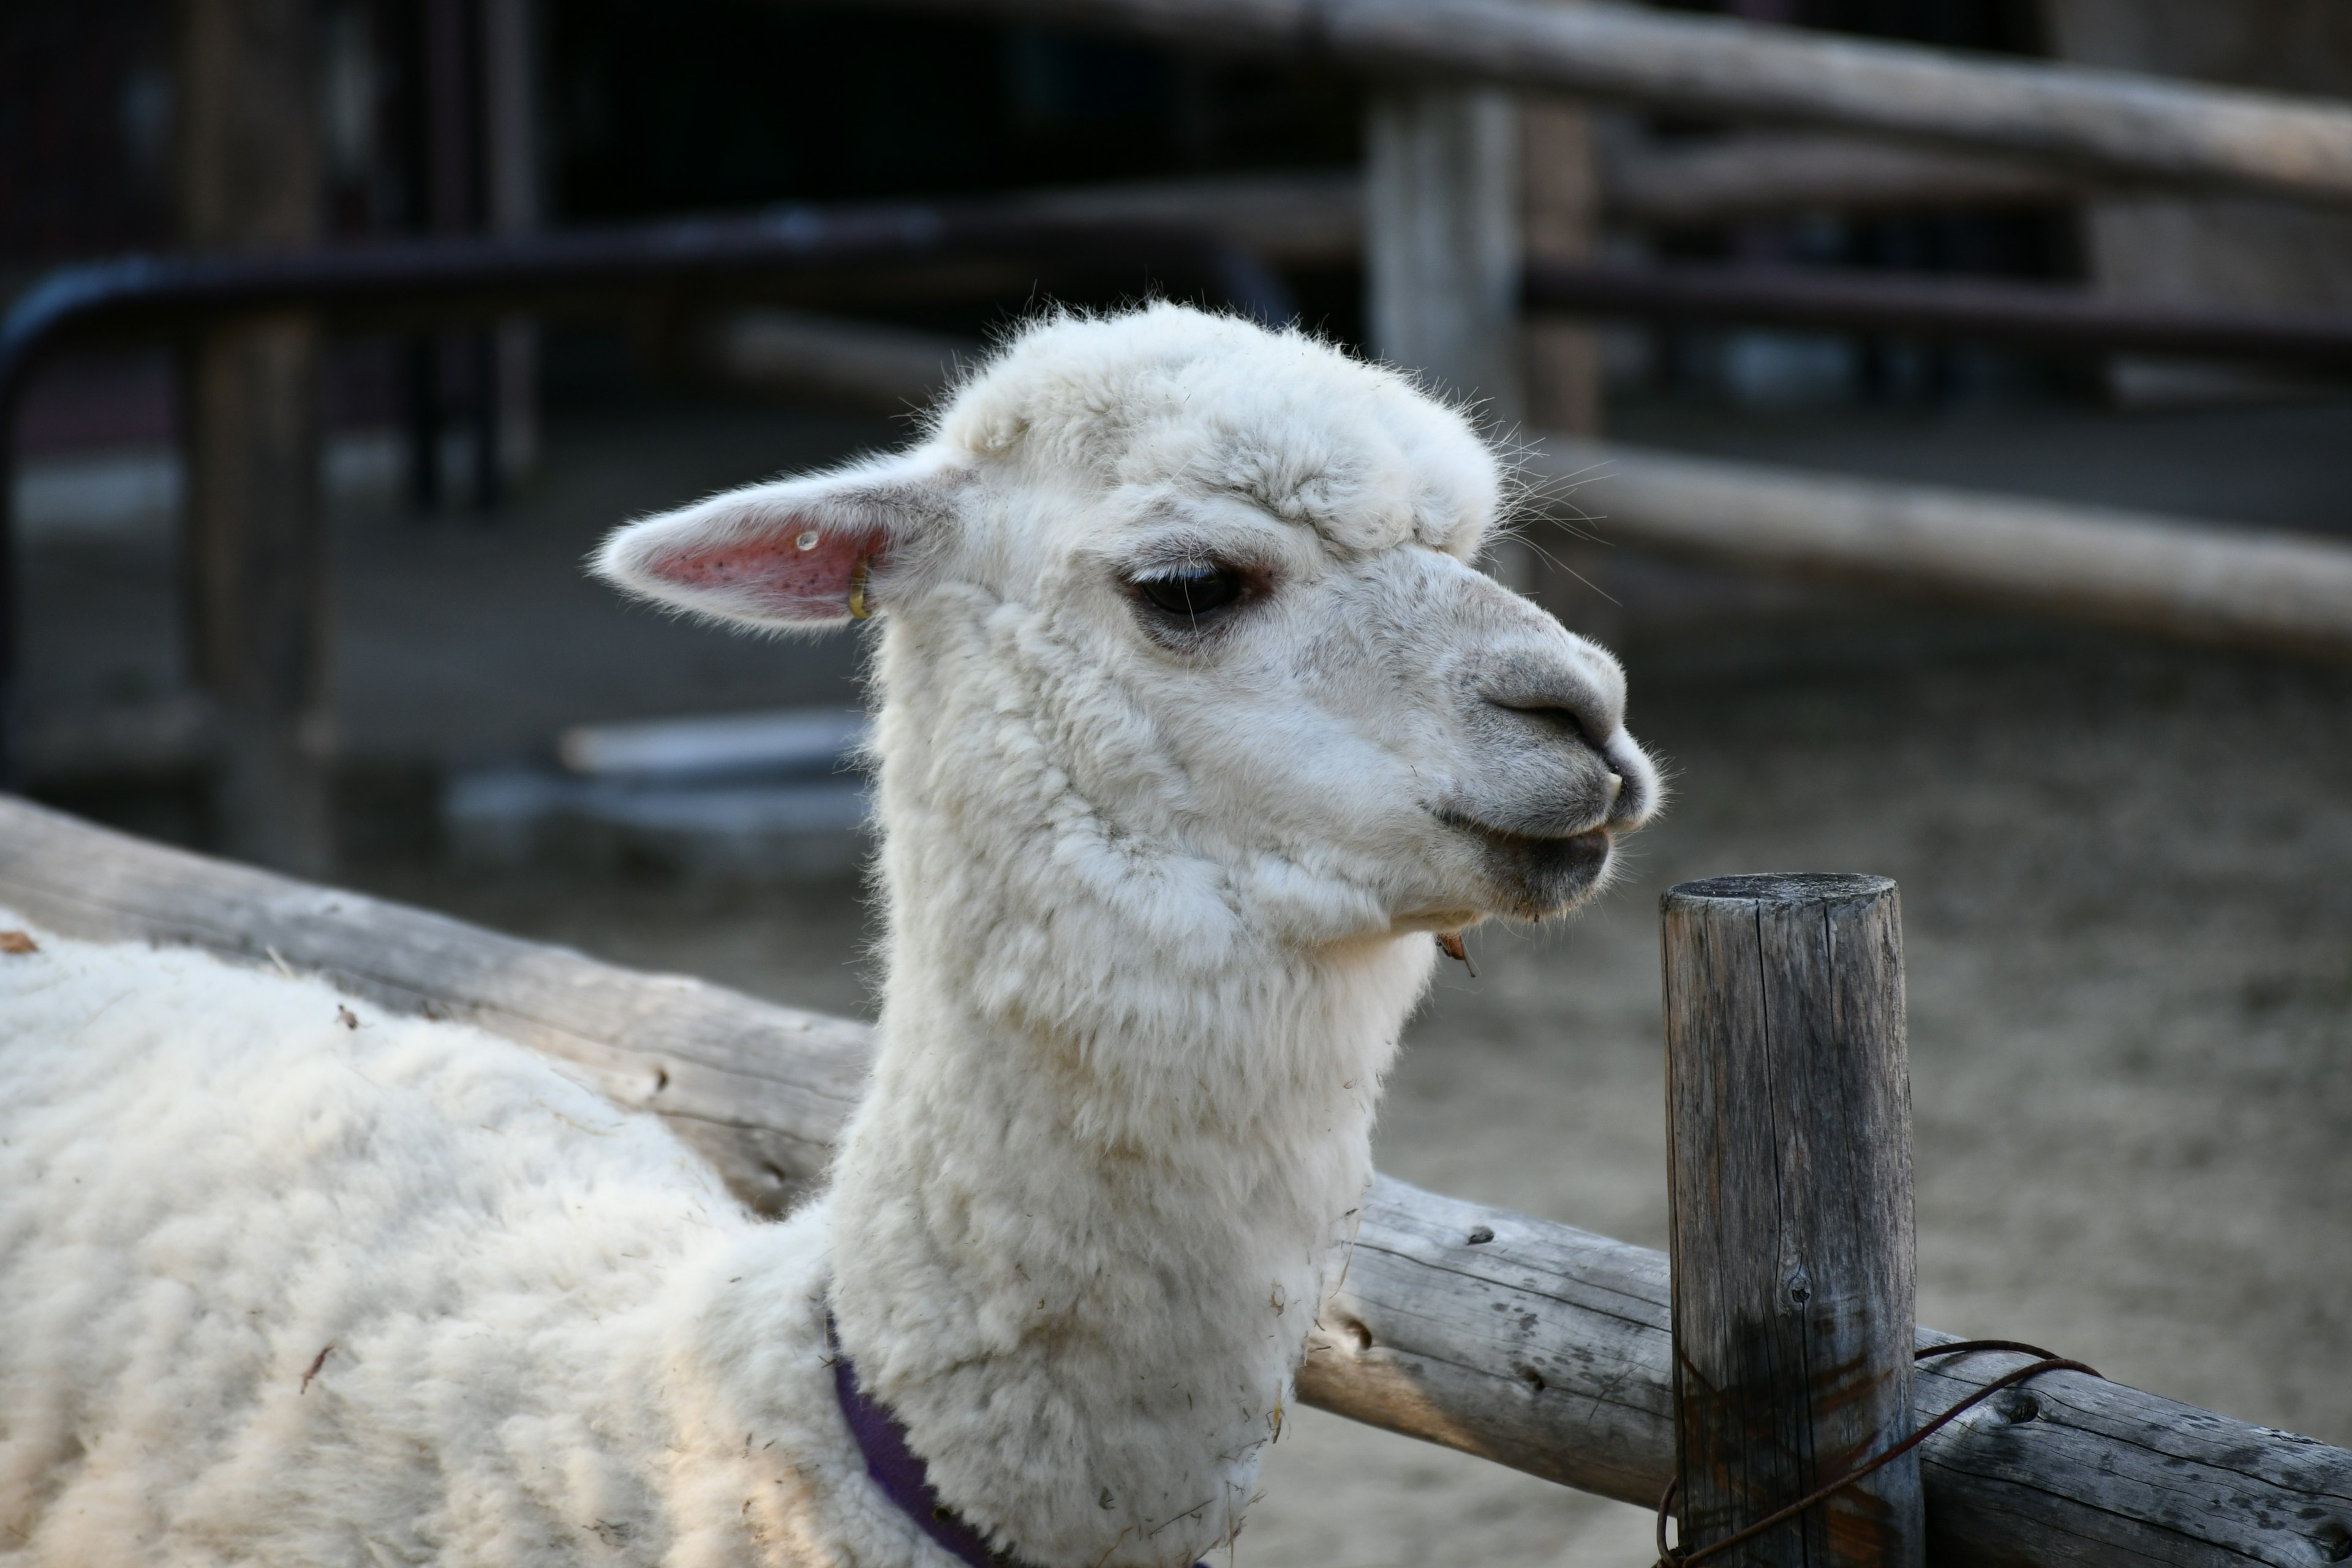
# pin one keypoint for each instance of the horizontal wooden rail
(1543, 1347)
(2123, 125)
(1771, 173)
(2036, 317)
(1314, 218)
(1296, 217)
(2200, 581)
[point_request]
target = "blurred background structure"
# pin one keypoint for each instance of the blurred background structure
(301, 583)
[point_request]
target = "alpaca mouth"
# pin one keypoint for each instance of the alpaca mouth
(1543, 874)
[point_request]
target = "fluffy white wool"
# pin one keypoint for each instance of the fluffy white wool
(555, 1339)
(1160, 891)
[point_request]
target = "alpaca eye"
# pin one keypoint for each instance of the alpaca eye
(1191, 593)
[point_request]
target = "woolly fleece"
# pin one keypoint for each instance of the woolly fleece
(1159, 890)
(554, 1338)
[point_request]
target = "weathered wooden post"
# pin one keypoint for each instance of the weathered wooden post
(1441, 239)
(1442, 251)
(1788, 1136)
(511, 208)
(257, 553)
(1562, 381)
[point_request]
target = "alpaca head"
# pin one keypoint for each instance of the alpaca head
(1219, 579)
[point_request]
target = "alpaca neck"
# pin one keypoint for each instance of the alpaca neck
(1081, 1222)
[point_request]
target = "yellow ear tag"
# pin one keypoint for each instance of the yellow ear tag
(857, 610)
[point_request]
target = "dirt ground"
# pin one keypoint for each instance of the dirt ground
(2126, 877)
(2126, 874)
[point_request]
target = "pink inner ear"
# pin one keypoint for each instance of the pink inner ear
(770, 575)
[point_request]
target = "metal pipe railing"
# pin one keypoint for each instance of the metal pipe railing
(440, 279)
(377, 285)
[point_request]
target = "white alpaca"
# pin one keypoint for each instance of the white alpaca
(1195, 724)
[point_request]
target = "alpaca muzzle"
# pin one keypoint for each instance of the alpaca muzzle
(1549, 775)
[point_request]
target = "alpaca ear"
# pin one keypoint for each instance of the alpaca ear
(803, 552)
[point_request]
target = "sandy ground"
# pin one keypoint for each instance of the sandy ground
(2127, 892)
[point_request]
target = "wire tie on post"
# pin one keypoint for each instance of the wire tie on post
(1670, 1558)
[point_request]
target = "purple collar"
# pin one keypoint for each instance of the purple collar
(900, 1472)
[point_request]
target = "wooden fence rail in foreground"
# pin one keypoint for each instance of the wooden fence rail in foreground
(2122, 125)
(1544, 1348)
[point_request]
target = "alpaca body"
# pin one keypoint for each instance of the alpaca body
(536, 1309)
(1195, 723)
(237, 1330)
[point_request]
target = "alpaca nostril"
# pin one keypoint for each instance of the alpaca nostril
(1543, 686)
(1548, 715)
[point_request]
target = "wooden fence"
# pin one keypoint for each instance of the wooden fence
(1539, 1346)
(2117, 124)
(1443, 246)
(2172, 576)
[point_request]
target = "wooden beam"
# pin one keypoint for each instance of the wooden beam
(1560, 200)
(2173, 576)
(1314, 218)
(1789, 1158)
(1306, 217)
(256, 550)
(1534, 1344)
(1563, 378)
(827, 359)
(512, 160)
(170, 737)
(1442, 240)
(1442, 257)
(2160, 248)
(1771, 173)
(2140, 127)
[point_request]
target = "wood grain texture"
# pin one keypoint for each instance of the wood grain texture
(1442, 240)
(1789, 1150)
(1548, 1349)
(1314, 218)
(1544, 1348)
(2248, 586)
(2140, 127)
(256, 561)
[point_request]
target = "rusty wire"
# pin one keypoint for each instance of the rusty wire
(1670, 1558)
